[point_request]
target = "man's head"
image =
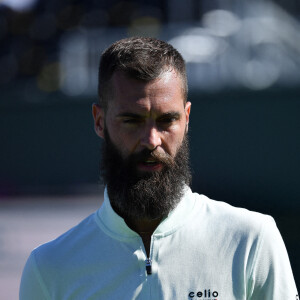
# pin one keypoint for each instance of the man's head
(143, 117)
(143, 59)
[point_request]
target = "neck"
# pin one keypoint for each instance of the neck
(143, 226)
(139, 225)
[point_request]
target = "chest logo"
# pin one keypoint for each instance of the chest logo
(204, 295)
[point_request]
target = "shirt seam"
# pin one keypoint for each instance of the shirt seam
(113, 235)
(39, 278)
(189, 218)
(254, 261)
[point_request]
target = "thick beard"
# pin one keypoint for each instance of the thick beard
(149, 195)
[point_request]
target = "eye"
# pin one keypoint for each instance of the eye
(167, 120)
(132, 121)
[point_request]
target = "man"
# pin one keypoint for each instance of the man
(153, 238)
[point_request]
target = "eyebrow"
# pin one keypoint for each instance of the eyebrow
(129, 115)
(171, 114)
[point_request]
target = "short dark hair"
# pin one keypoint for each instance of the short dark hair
(139, 58)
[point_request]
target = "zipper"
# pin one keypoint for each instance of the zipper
(148, 266)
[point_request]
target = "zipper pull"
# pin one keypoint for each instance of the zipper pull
(148, 266)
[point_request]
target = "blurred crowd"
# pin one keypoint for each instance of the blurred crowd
(30, 34)
(35, 35)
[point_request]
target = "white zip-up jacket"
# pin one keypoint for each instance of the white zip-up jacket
(204, 250)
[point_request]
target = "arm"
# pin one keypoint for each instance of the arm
(271, 275)
(32, 286)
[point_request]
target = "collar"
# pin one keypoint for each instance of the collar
(116, 227)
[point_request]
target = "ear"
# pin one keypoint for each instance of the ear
(98, 114)
(187, 110)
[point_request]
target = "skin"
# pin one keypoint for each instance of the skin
(142, 115)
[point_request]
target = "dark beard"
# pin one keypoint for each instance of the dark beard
(150, 195)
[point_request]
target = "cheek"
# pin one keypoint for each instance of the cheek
(125, 141)
(173, 142)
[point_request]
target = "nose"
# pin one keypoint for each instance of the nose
(151, 138)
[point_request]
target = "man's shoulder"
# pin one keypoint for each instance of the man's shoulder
(51, 262)
(225, 215)
(68, 242)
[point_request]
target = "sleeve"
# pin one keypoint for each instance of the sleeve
(32, 286)
(271, 276)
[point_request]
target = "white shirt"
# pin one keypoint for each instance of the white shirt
(204, 250)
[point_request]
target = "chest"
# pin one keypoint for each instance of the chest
(182, 267)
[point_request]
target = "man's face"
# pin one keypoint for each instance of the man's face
(145, 115)
(145, 155)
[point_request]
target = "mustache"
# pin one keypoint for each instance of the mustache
(159, 156)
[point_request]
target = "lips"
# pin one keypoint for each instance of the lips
(154, 160)
(150, 165)
(150, 162)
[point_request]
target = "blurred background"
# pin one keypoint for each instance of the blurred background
(243, 63)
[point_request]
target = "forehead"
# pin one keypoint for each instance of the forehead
(161, 93)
